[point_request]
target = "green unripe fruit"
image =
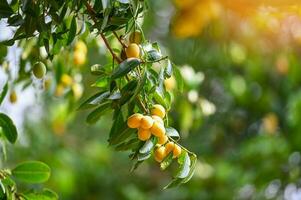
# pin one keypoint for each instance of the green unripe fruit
(39, 70)
(135, 37)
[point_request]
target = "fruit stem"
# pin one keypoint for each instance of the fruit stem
(119, 39)
(170, 138)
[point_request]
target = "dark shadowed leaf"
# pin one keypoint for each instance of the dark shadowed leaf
(125, 67)
(8, 128)
(3, 92)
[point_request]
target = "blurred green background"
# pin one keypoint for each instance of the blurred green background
(240, 112)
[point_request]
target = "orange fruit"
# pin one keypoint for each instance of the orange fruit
(13, 97)
(132, 51)
(146, 122)
(160, 154)
(176, 151)
(158, 110)
(163, 139)
(158, 129)
(169, 147)
(144, 134)
(158, 119)
(134, 120)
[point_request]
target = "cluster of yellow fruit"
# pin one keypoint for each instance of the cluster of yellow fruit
(80, 53)
(154, 125)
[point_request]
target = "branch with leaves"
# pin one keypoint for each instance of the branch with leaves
(133, 89)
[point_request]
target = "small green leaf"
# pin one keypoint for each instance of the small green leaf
(72, 31)
(121, 135)
(153, 55)
(32, 172)
(99, 69)
(172, 132)
(193, 159)
(8, 128)
(144, 156)
(131, 144)
(94, 116)
(174, 183)
(125, 67)
(3, 92)
(102, 82)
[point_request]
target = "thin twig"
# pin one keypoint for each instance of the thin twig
(120, 41)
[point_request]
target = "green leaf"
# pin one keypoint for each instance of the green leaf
(143, 156)
(179, 78)
(185, 166)
(168, 69)
(98, 69)
(123, 135)
(131, 144)
(147, 147)
(125, 67)
(46, 194)
(5, 9)
(15, 20)
(3, 92)
(193, 159)
(102, 82)
(172, 132)
(8, 128)
(174, 183)
(32, 172)
(166, 162)
(153, 55)
(95, 100)
(72, 31)
(94, 116)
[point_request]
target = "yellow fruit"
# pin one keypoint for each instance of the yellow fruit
(158, 110)
(39, 70)
(170, 83)
(59, 90)
(169, 147)
(160, 154)
(163, 139)
(47, 84)
(13, 97)
(135, 37)
(146, 122)
(80, 46)
(66, 80)
(132, 51)
(158, 129)
(158, 119)
(77, 90)
(176, 151)
(134, 120)
(79, 58)
(143, 134)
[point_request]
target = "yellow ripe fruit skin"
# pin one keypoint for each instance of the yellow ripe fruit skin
(144, 134)
(146, 122)
(158, 110)
(79, 58)
(59, 90)
(134, 120)
(66, 80)
(13, 97)
(162, 140)
(80, 46)
(176, 151)
(160, 154)
(169, 147)
(132, 51)
(170, 83)
(135, 37)
(158, 119)
(158, 129)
